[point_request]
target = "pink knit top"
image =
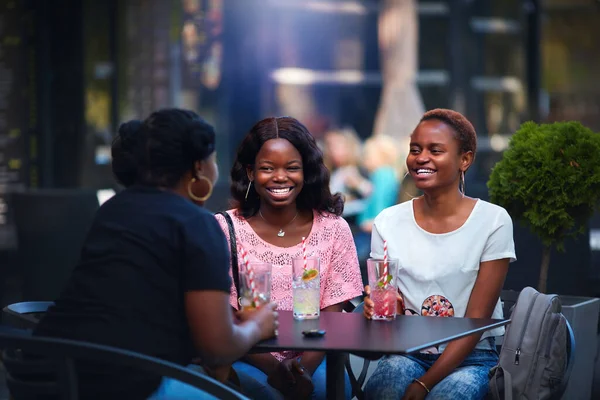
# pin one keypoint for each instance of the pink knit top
(330, 239)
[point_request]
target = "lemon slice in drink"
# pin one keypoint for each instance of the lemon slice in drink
(309, 275)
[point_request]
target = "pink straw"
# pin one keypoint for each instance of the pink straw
(304, 253)
(385, 274)
(250, 274)
(385, 261)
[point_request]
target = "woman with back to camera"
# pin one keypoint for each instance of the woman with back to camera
(280, 188)
(153, 272)
(453, 254)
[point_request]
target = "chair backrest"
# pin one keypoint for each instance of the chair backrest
(51, 227)
(49, 368)
(570, 360)
(25, 315)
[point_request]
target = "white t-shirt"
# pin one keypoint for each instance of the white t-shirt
(437, 272)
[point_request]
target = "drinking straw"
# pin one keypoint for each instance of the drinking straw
(385, 274)
(304, 253)
(250, 275)
(385, 262)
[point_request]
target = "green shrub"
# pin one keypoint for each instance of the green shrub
(549, 179)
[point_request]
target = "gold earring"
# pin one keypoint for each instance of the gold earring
(248, 190)
(205, 197)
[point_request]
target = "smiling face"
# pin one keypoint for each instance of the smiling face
(434, 160)
(278, 175)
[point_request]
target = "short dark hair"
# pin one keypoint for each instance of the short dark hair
(124, 165)
(315, 194)
(162, 148)
(465, 132)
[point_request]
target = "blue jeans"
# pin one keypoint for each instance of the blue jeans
(267, 392)
(469, 381)
(173, 389)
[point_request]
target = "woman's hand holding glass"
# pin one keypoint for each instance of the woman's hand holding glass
(266, 318)
(369, 306)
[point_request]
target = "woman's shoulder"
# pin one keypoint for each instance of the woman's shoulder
(334, 226)
(233, 213)
(330, 229)
(327, 219)
(492, 212)
(394, 212)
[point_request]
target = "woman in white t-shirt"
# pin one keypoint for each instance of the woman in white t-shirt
(453, 254)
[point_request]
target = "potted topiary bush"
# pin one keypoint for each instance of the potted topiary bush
(549, 179)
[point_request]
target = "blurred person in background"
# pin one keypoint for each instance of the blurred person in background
(380, 160)
(153, 272)
(342, 151)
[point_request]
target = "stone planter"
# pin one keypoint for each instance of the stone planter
(582, 313)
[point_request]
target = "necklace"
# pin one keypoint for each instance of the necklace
(281, 232)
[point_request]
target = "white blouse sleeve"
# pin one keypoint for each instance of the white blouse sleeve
(500, 243)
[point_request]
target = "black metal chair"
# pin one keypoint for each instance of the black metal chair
(49, 369)
(25, 315)
(51, 228)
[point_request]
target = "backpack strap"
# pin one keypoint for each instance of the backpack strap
(233, 250)
(500, 384)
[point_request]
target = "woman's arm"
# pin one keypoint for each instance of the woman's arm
(482, 302)
(222, 341)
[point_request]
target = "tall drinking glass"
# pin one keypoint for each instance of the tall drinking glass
(382, 281)
(306, 287)
(260, 279)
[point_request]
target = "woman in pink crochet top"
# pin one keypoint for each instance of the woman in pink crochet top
(280, 187)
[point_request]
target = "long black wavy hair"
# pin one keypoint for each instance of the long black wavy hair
(161, 149)
(315, 194)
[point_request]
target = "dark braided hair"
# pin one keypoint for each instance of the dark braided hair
(315, 194)
(162, 148)
(124, 165)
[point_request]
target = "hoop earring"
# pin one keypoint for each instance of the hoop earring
(248, 190)
(205, 197)
(461, 183)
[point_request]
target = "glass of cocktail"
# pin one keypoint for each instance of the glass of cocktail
(255, 285)
(382, 280)
(306, 288)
